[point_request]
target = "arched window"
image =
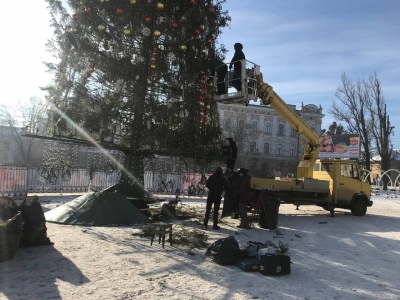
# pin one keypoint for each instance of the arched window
(292, 150)
(254, 126)
(253, 147)
(268, 128)
(266, 148)
(293, 132)
(279, 149)
(281, 129)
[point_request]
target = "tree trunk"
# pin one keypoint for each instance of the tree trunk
(131, 182)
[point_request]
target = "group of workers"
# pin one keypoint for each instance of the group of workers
(239, 188)
(218, 67)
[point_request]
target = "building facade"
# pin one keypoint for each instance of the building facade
(267, 145)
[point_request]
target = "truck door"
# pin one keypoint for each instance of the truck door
(349, 182)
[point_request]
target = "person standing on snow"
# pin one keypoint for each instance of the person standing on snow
(216, 183)
(243, 197)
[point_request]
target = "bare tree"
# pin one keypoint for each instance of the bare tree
(352, 109)
(362, 107)
(381, 129)
(21, 119)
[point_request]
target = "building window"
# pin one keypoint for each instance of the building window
(293, 151)
(281, 129)
(228, 123)
(266, 148)
(293, 132)
(241, 124)
(279, 149)
(254, 126)
(253, 147)
(268, 128)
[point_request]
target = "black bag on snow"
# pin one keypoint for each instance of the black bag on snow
(35, 230)
(225, 251)
(10, 236)
(274, 265)
(10, 228)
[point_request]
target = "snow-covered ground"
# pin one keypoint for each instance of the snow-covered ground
(344, 257)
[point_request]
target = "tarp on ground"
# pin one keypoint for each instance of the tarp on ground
(98, 209)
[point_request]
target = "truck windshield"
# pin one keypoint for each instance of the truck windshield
(349, 170)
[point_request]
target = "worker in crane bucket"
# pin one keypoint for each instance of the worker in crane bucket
(217, 68)
(237, 64)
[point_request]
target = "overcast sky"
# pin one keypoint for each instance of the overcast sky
(302, 46)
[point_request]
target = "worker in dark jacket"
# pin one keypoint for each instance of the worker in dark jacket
(237, 70)
(231, 154)
(216, 183)
(243, 197)
(215, 65)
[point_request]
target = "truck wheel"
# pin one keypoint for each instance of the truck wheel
(359, 207)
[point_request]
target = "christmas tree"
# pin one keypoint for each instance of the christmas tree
(131, 74)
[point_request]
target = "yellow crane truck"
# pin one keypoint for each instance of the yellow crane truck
(329, 183)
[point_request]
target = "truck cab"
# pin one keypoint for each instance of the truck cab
(346, 185)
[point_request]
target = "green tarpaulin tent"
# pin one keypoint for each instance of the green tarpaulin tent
(98, 209)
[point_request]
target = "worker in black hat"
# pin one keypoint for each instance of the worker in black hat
(231, 154)
(237, 70)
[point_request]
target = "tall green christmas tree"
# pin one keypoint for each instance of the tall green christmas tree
(131, 74)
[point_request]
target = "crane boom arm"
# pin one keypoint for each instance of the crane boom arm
(311, 148)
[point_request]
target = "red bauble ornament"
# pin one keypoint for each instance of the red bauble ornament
(193, 2)
(147, 19)
(87, 9)
(197, 32)
(210, 41)
(75, 17)
(174, 25)
(119, 11)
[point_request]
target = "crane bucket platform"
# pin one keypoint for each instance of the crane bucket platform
(239, 87)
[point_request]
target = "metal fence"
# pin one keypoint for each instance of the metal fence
(17, 181)
(191, 184)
